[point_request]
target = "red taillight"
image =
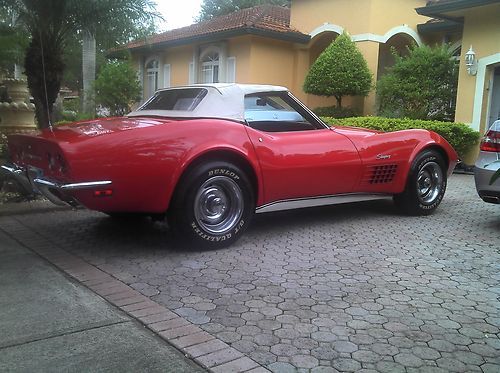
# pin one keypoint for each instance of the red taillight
(491, 142)
(56, 163)
(103, 193)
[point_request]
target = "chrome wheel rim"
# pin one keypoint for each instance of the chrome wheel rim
(429, 182)
(218, 205)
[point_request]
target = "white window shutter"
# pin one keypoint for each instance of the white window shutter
(231, 70)
(191, 73)
(166, 76)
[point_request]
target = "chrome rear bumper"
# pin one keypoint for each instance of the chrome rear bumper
(33, 182)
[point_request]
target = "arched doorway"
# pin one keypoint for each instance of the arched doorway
(398, 43)
(317, 45)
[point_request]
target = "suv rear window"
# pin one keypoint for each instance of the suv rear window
(185, 99)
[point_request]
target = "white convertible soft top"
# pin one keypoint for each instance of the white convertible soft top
(223, 100)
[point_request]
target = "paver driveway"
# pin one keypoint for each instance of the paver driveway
(339, 288)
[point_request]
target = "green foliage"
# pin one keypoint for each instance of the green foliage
(51, 23)
(421, 85)
(215, 8)
(117, 87)
(72, 104)
(336, 112)
(3, 146)
(71, 116)
(459, 135)
(340, 70)
(13, 41)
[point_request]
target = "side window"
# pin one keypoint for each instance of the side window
(274, 113)
(152, 69)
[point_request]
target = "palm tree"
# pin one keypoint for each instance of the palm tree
(51, 22)
(88, 69)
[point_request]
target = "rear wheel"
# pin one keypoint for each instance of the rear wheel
(212, 206)
(426, 185)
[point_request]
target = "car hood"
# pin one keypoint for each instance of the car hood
(79, 131)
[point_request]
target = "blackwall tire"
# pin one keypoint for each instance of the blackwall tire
(425, 186)
(212, 206)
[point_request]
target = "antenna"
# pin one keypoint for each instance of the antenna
(45, 81)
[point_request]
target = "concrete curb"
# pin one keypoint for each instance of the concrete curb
(205, 349)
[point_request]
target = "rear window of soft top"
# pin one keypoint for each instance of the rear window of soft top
(183, 99)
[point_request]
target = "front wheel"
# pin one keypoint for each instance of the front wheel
(212, 206)
(425, 186)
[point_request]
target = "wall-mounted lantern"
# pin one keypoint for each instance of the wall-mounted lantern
(471, 61)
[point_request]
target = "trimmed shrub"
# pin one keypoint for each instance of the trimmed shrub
(421, 85)
(75, 117)
(335, 112)
(117, 88)
(340, 70)
(459, 135)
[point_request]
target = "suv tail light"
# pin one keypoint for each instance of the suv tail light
(491, 141)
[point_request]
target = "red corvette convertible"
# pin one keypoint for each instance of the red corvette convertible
(210, 156)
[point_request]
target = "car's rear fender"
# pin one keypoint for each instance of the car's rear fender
(229, 154)
(228, 143)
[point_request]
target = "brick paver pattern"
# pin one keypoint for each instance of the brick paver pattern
(342, 288)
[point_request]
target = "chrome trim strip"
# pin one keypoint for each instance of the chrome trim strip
(309, 111)
(74, 186)
(336, 199)
(46, 187)
(34, 184)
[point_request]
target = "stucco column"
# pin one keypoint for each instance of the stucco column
(300, 70)
(222, 62)
(196, 63)
(370, 51)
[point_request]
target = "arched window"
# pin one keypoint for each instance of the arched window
(152, 68)
(210, 68)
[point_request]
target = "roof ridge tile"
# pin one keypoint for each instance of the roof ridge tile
(266, 17)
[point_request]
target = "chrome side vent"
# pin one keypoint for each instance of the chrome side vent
(380, 174)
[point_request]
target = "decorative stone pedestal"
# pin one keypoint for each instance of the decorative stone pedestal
(17, 116)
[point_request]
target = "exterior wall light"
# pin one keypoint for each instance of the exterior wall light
(471, 62)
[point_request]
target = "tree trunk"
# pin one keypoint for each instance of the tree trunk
(339, 101)
(88, 71)
(44, 69)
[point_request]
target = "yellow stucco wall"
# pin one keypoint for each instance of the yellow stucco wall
(368, 21)
(240, 47)
(482, 31)
(356, 16)
(271, 62)
(179, 59)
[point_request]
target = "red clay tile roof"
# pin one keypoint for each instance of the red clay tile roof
(432, 2)
(267, 18)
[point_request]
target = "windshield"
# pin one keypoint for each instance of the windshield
(185, 99)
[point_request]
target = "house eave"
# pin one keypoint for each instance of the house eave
(444, 26)
(440, 10)
(293, 37)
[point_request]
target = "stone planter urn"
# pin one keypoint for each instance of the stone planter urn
(17, 116)
(17, 89)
